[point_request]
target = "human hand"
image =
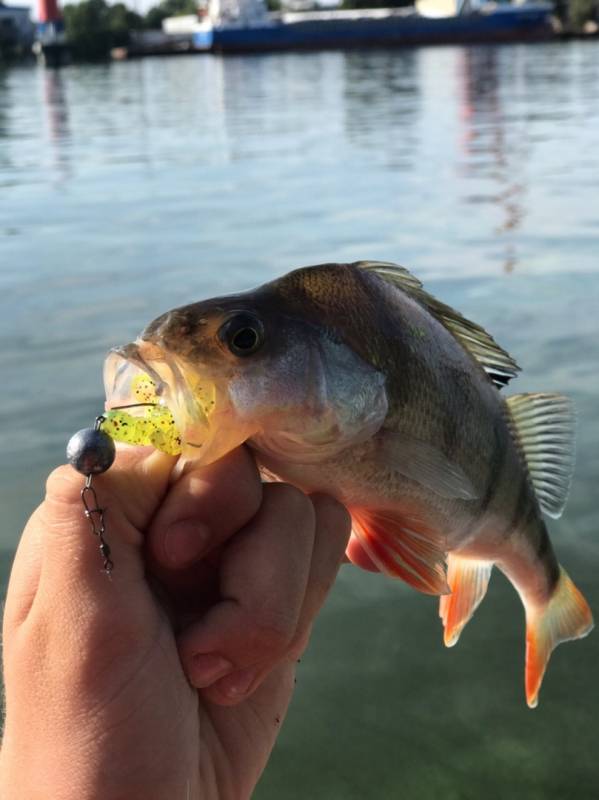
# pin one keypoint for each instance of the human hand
(172, 680)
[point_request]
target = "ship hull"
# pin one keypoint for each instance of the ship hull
(393, 30)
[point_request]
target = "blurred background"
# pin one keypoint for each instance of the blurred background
(130, 187)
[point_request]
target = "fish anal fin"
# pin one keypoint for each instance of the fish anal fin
(403, 547)
(496, 362)
(468, 579)
(566, 616)
(544, 425)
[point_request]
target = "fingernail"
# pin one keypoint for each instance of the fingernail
(185, 541)
(238, 684)
(207, 668)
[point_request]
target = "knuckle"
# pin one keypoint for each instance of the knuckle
(228, 493)
(248, 498)
(271, 634)
(332, 513)
(291, 501)
(63, 484)
(240, 471)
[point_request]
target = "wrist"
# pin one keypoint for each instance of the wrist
(41, 781)
(33, 769)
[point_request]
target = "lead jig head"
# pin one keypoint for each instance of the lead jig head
(91, 451)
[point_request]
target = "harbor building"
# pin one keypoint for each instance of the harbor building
(17, 30)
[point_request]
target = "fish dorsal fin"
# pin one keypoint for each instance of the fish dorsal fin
(403, 547)
(496, 362)
(544, 425)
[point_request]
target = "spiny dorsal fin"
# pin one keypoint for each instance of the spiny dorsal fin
(497, 363)
(544, 424)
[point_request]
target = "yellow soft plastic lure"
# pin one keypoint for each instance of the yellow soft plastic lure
(155, 427)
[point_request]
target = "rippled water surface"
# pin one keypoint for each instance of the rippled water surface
(130, 188)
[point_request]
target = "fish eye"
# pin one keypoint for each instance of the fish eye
(243, 334)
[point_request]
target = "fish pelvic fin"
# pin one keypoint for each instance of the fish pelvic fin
(544, 425)
(566, 616)
(468, 579)
(403, 547)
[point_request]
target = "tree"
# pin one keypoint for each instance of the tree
(121, 21)
(87, 29)
(582, 10)
(93, 28)
(169, 8)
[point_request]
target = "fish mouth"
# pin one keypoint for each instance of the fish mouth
(141, 374)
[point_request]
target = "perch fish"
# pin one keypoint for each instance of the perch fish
(351, 379)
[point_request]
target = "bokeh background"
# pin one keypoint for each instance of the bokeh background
(129, 188)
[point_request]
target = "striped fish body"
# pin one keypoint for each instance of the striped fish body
(353, 380)
(443, 397)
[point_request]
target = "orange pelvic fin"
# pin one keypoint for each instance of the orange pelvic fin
(402, 547)
(566, 616)
(468, 580)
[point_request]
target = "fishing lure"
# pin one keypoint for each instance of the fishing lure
(91, 451)
(156, 425)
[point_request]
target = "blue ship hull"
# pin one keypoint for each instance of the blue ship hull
(397, 29)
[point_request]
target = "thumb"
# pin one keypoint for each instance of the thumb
(58, 551)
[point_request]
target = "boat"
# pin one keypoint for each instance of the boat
(236, 26)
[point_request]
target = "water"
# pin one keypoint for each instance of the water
(130, 188)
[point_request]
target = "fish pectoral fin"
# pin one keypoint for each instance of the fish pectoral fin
(496, 362)
(468, 579)
(544, 425)
(402, 547)
(425, 464)
(566, 616)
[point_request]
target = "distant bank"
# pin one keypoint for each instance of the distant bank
(234, 26)
(91, 30)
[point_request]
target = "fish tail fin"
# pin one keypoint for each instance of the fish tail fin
(468, 579)
(565, 616)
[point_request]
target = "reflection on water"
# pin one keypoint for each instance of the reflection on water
(490, 152)
(4, 107)
(57, 120)
(388, 132)
(131, 188)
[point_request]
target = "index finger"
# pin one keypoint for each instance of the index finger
(204, 508)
